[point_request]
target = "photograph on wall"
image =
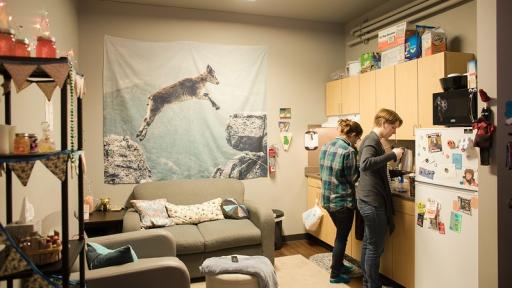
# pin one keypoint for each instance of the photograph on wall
(183, 110)
(285, 113)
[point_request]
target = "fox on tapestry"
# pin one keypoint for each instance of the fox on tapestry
(183, 90)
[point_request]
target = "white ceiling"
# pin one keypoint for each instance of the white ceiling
(335, 11)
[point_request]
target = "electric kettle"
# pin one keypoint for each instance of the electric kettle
(406, 163)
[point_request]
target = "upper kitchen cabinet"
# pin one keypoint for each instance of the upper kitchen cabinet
(333, 98)
(367, 104)
(385, 88)
(406, 98)
(350, 95)
(430, 70)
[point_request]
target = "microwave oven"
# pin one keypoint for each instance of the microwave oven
(454, 107)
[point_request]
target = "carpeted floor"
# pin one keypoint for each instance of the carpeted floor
(297, 272)
(324, 260)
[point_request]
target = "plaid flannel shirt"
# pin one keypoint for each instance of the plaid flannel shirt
(338, 171)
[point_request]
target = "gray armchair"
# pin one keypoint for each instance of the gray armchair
(157, 264)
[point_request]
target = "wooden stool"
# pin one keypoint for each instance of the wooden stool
(231, 281)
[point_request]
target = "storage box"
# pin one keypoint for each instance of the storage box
(413, 46)
(369, 61)
(433, 41)
(393, 36)
(353, 68)
(392, 56)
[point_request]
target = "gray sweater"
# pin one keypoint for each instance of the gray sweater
(373, 185)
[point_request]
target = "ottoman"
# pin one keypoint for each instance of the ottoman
(231, 281)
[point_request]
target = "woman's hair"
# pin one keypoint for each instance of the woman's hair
(349, 127)
(387, 116)
(470, 171)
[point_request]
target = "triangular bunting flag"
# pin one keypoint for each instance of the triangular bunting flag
(23, 86)
(57, 165)
(59, 72)
(47, 88)
(20, 73)
(22, 170)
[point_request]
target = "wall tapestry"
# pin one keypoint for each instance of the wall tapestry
(183, 110)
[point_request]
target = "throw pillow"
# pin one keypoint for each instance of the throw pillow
(99, 256)
(233, 210)
(152, 213)
(194, 214)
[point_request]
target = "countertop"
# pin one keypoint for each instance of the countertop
(314, 172)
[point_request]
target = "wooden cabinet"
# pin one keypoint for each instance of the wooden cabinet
(403, 243)
(406, 98)
(385, 88)
(350, 95)
(367, 101)
(430, 69)
(397, 261)
(333, 98)
(326, 231)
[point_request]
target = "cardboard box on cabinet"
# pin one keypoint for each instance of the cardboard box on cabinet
(433, 42)
(392, 56)
(394, 36)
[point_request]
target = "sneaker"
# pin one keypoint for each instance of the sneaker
(347, 269)
(340, 279)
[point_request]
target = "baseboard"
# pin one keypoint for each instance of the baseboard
(294, 237)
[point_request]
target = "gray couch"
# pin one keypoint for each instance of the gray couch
(195, 243)
(156, 264)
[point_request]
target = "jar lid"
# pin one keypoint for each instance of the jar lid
(31, 135)
(22, 40)
(7, 31)
(46, 37)
(22, 134)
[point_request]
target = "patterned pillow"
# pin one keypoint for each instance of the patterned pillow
(152, 212)
(233, 210)
(194, 214)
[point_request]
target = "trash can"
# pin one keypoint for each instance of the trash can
(278, 218)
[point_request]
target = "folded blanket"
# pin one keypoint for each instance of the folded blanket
(258, 266)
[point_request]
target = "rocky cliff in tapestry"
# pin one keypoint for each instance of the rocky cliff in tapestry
(183, 110)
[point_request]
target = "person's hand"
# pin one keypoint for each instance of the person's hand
(398, 152)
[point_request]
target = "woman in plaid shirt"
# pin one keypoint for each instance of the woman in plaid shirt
(338, 170)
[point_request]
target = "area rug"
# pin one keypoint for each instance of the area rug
(324, 260)
(296, 272)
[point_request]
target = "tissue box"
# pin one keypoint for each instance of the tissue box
(433, 41)
(392, 56)
(394, 36)
(19, 231)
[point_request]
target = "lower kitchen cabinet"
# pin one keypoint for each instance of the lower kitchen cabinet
(397, 262)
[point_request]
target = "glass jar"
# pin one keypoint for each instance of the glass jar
(33, 143)
(45, 47)
(7, 44)
(22, 47)
(21, 143)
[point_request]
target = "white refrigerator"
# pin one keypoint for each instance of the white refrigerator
(446, 233)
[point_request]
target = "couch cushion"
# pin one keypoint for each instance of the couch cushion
(229, 233)
(193, 214)
(188, 239)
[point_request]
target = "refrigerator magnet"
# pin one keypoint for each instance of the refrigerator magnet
(457, 160)
(434, 143)
(441, 228)
(455, 205)
(429, 174)
(419, 220)
(465, 205)
(456, 222)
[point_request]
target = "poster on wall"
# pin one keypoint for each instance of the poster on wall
(183, 110)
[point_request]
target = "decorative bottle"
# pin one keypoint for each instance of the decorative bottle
(46, 144)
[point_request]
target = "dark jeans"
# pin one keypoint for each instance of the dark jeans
(375, 227)
(342, 219)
